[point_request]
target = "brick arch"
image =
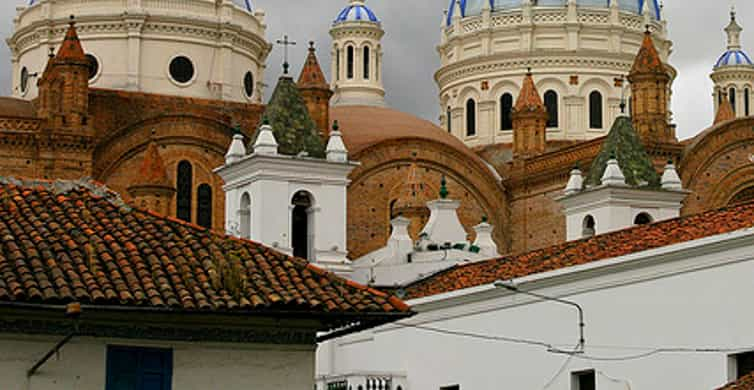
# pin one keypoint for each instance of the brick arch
(718, 164)
(384, 166)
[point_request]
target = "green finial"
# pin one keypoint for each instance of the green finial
(443, 188)
(335, 126)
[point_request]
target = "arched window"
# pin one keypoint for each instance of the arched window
(244, 212)
(732, 98)
(588, 227)
(470, 117)
(337, 63)
(643, 219)
(204, 206)
(449, 119)
(367, 58)
(349, 62)
(184, 186)
(595, 110)
(506, 107)
(747, 102)
(302, 236)
(551, 103)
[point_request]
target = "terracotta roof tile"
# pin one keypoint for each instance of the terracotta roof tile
(71, 48)
(746, 382)
(64, 241)
(610, 245)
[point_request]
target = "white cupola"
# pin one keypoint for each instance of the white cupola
(357, 57)
(290, 193)
(623, 188)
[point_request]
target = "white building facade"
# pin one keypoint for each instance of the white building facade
(579, 49)
(217, 49)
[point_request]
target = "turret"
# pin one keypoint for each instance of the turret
(315, 91)
(529, 121)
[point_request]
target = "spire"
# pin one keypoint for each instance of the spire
(624, 146)
(528, 98)
(648, 60)
(237, 149)
(152, 170)
(670, 179)
(725, 110)
(293, 128)
(71, 48)
(734, 31)
(311, 74)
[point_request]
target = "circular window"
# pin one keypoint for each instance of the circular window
(24, 79)
(248, 84)
(93, 66)
(181, 69)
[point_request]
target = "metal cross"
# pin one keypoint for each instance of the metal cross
(285, 42)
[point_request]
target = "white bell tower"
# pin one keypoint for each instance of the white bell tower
(357, 57)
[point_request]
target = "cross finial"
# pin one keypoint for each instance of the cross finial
(285, 42)
(622, 94)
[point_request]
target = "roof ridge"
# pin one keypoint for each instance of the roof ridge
(62, 187)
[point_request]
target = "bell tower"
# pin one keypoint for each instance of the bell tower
(357, 57)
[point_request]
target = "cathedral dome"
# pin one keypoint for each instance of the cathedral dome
(474, 7)
(356, 11)
(734, 58)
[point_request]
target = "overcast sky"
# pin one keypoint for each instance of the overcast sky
(413, 31)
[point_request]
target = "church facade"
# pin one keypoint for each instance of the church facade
(157, 137)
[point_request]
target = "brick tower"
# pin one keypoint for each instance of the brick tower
(529, 121)
(315, 91)
(153, 190)
(649, 94)
(63, 106)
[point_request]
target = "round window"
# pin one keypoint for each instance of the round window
(93, 66)
(181, 69)
(248, 84)
(24, 79)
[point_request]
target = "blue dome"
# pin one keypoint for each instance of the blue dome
(245, 4)
(474, 7)
(733, 58)
(356, 12)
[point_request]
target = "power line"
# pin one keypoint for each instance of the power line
(477, 335)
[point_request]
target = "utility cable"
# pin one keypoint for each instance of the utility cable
(477, 335)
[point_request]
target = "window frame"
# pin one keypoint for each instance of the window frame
(732, 98)
(747, 101)
(592, 110)
(175, 81)
(470, 108)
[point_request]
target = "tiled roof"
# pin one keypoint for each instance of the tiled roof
(620, 243)
(746, 382)
(648, 60)
(63, 241)
(624, 144)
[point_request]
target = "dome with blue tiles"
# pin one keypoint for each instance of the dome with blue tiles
(734, 58)
(244, 4)
(474, 7)
(356, 11)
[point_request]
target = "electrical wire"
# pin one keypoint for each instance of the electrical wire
(562, 367)
(477, 335)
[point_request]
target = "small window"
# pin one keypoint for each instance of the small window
(584, 380)
(747, 102)
(451, 387)
(470, 118)
(130, 368)
(184, 187)
(643, 219)
(551, 103)
(366, 62)
(204, 206)
(248, 84)
(182, 69)
(732, 98)
(588, 227)
(506, 109)
(24, 80)
(595, 110)
(349, 62)
(744, 364)
(449, 119)
(93, 66)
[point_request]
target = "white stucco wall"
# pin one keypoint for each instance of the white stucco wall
(80, 365)
(689, 298)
